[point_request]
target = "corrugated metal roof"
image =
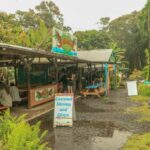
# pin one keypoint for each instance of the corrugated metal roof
(100, 55)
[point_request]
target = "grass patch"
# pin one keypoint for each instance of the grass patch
(139, 98)
(138, 142)
(143, 110)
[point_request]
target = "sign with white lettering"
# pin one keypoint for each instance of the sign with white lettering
(63, 110)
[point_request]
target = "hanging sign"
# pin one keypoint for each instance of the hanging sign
(64, 43)
(63, 115)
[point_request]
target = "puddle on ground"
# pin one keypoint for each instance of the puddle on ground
(85, 139)
(111, 103)
(85, 135)
(96, 124)
(115, 142)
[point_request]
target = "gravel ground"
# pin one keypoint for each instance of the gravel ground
(101, 124)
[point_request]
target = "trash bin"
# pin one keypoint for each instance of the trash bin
(132, 88)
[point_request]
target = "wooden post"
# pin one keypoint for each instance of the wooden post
(76, 77)
(15, 69)
(115, 72)
(28, 83)
(56, 69)
(27, 62)
(90, 73)
(80, 83)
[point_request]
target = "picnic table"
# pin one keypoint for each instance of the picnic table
(95, 89)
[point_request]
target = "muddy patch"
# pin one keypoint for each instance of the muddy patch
(96, 124)
(110, 103)
(85, 108)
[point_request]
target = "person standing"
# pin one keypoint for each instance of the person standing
(70, 82)
(14, 92)
(5, 97)
(74, 82)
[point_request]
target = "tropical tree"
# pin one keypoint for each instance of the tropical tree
(41, 37)
(126, 33)
(50, 14)
(93, 39)
(144, 23)
(103, 23)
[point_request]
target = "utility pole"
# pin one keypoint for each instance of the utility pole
(149, 43)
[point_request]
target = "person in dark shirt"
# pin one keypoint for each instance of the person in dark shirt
(70, 82)
(63, 80)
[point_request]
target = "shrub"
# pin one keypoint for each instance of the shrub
(17, 134)
(144, 89)
(136, 75)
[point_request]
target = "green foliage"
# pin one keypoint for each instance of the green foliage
(146, 68)
(40, 37)
(144, 89)
(31, 28)
(50, 14)
(138, 142)
(126, 32)
(16, 134)
(139, 98)
(145, 72)
(136, 75)
(118, 53)
(104, 22)
(142, 110)
(93, 39)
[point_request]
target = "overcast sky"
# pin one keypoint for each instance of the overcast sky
(80, 14)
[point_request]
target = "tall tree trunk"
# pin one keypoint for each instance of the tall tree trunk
(140, 63)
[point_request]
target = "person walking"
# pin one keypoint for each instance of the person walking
(14, 92)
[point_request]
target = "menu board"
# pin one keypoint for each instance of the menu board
(63, 113)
